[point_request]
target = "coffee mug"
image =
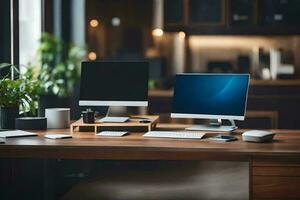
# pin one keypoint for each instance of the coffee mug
(88, 116)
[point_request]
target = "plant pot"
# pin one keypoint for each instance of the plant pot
(8, 116)
(51, 101)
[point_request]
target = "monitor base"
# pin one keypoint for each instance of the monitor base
(113, 119)
(215, 125)
(211, 128)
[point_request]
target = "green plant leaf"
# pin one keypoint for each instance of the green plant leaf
(4, 65)
(57, 66)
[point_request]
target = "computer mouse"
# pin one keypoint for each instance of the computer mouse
(257, 136)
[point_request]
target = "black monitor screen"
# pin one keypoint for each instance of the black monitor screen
(211, 94)
(114, 81)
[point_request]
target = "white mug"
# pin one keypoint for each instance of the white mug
(58, 117)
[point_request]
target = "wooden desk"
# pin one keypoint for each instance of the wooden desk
(274, 167)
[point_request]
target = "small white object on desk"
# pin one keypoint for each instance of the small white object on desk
(57, 136)
(174, 134)
(112, 133)
(16, 133)
(113, 119)
(257, 136)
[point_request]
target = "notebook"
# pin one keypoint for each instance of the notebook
(57, 136)
(16, 133)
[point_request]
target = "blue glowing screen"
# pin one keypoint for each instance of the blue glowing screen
(210, 94)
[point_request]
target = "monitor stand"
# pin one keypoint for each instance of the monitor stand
(214, 125)
(110, 119)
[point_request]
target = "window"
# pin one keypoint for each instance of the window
(30, 29)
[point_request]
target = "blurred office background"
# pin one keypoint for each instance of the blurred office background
(260, 37)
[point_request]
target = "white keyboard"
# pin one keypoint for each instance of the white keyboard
(112, 133)
(173, 134)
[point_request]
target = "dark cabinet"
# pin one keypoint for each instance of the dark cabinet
(241, 12)
(280, 12)
(262, 17)
(173, 12)
(206, 12)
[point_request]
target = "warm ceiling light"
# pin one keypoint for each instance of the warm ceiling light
(157, 32)
(116, 21)
(92, 55)
(94, 23)
(181, 34)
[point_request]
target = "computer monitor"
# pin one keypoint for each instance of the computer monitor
(210, 96)
(114, 83)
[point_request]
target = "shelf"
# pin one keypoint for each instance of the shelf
(291, 82)
(133, 122)
(294, 82)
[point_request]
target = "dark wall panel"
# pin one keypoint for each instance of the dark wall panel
(5, 31)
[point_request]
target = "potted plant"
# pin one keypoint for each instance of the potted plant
(15, 94)
(57, 69)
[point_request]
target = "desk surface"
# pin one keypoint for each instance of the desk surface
(135, 147)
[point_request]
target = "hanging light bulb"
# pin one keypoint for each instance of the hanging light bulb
(92, 55)
(157, 32)
(94, 23)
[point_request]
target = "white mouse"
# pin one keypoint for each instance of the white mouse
(257, 136)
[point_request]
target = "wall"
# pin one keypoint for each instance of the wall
(205, 48)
